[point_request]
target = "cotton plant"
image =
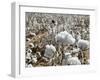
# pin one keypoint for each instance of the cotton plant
(69, 60)
(83, 45)
(64, 38)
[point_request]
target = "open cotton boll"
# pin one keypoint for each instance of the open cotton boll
(29, 51)
(68, 59)
(49, 51)
(83, 44)
(73, 61)
(67, 55)
(34, 59)
(60, 37)
(47, 46)
(53, 48)
(65, 37)
(29, 66)
(76, 50)
(70, 39)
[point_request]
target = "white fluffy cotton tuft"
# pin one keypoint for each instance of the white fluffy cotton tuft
(28, 66)
(70, 60)
(74, 61)
(64, 37)
(49, 51)
(34, 59)
(83, 44)
(67, 55)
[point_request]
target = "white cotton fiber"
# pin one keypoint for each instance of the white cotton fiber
(83, 44)
(49, 51)
(34, 59)
(73, 61)
(68, 59)
(64, 37)
(76, 50)
(67, 55)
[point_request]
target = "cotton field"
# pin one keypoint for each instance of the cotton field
(56, 39)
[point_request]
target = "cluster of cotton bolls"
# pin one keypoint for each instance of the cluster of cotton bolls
(34, 56)
(53, 40)
(66, 38)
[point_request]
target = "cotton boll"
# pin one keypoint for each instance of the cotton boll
(76, 50)
(70, 40)
(47, 46)
(29, 66)
(66, 57)
(34, 59)
(38, 54)
(69, 60)
(64, 37)
(60, 37)
(49, 51)
(73, 61)
(29, 51)
(83, 44)
(53, 48)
